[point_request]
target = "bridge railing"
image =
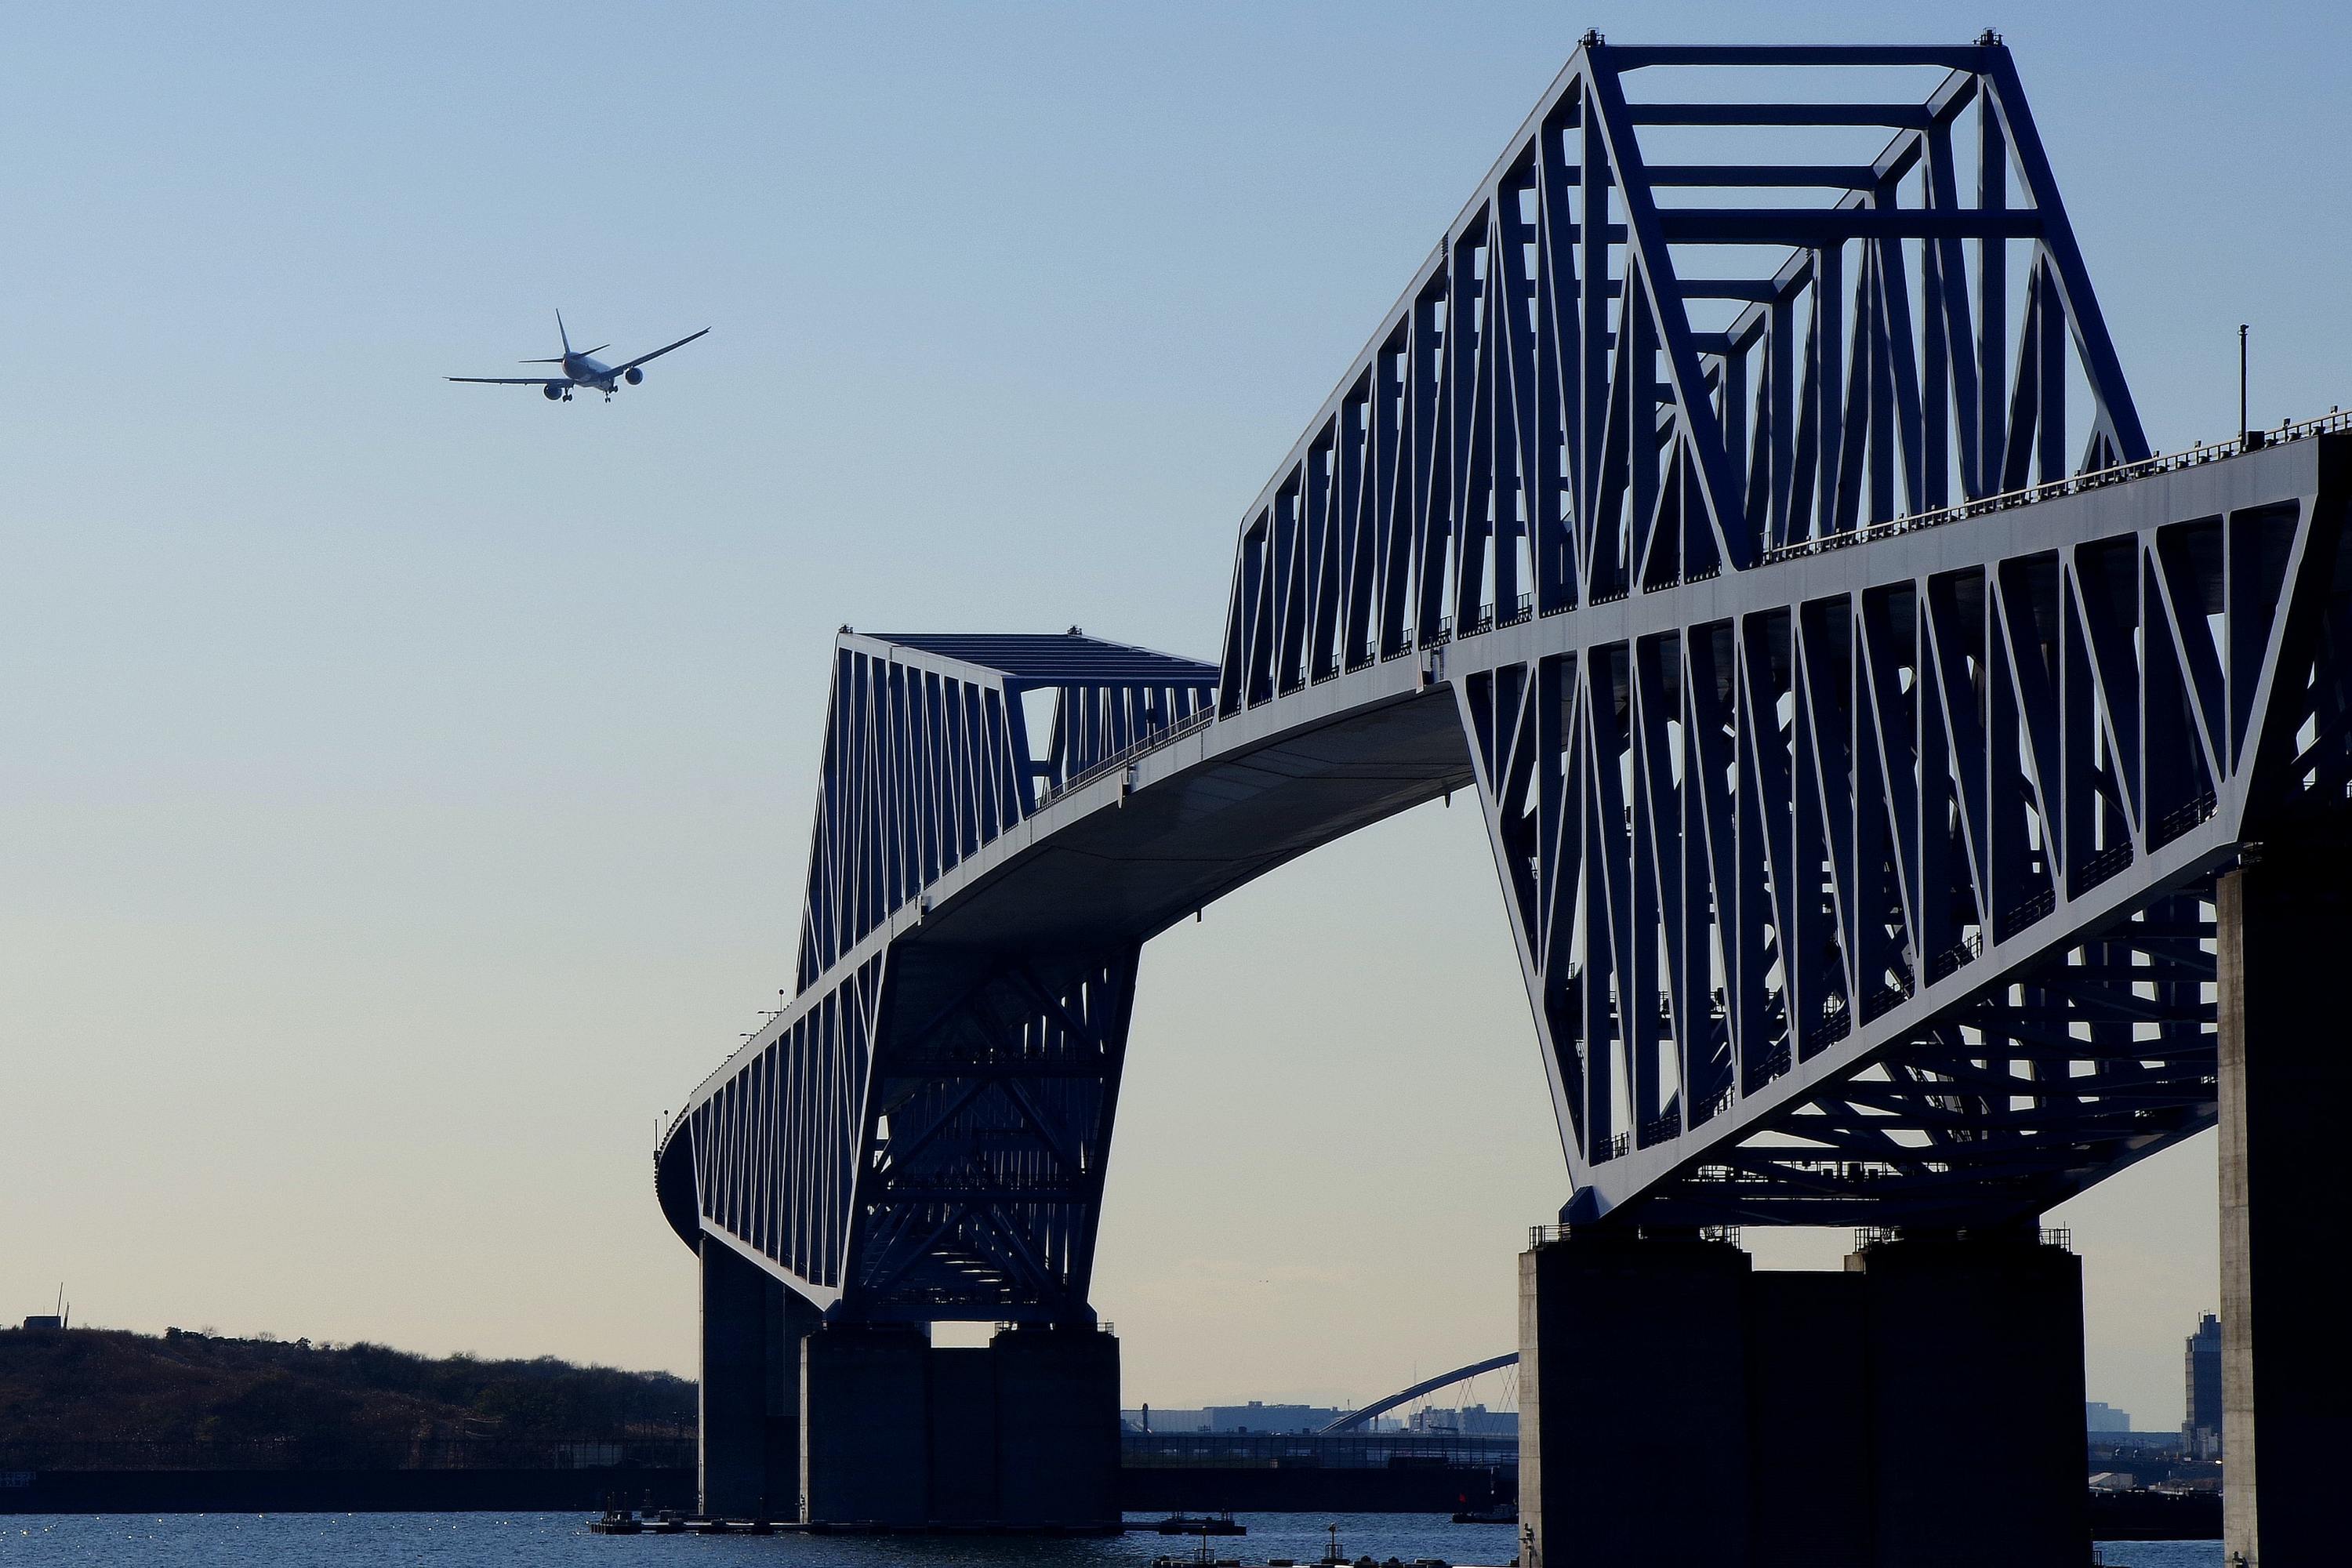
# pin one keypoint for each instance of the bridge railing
(1870, 1236)
(1134, 749)
(1487, 620)
(1545, 1234)
(2074, 484)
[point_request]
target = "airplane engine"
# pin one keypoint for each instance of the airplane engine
(553, 392)
(636, 377)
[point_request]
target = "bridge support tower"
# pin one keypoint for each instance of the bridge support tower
(1922, 1408)
(749, 1427)
(2285, 932)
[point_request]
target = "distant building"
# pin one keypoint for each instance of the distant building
(2099, 1416)
(1255, 1417)
(2200, 1427)
(45, 1320)
(1470, 1421)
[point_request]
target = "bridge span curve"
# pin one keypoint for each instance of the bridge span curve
(1101, 863)
(1858, 724)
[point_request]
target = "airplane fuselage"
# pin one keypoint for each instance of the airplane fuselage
(586, 371)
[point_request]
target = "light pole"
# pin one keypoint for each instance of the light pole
(2241, 382)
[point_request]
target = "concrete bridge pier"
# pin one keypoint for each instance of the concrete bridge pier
(750, 1429)
(896, 1431)
(2285, 932)
(865, 1426)
(1921, 1409)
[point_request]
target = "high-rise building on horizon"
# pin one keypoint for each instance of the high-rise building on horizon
(2201, 1421)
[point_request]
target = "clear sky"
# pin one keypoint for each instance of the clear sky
(404, 787)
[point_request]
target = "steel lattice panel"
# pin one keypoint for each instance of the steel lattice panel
(905, 1138)
(1911, 882)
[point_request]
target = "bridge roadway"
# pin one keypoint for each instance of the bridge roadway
(1887, 757)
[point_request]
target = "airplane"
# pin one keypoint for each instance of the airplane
(579, 369)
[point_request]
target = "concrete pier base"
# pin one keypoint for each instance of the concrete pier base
(1974, 1357)
(1023, 1433)
(1633, 1403)
(1679, 1409)
(1808, 1421)
(2284, 926)
(1057, 1436)
(865, 1426)
(963, 1425)
(748, 1453)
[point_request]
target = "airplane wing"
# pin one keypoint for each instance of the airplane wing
(658, 353)
(506, 380)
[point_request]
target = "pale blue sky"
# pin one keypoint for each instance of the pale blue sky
(405, 785)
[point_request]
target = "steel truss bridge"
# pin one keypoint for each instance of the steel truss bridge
(1744, 498)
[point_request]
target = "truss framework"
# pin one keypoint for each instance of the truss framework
(1858, 854)
(1938, 845)
(1802, 875)
(928, 756)
(895, 1156)
(1618, 371)
(988, 1136)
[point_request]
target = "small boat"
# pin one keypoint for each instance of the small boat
(1495, 1513)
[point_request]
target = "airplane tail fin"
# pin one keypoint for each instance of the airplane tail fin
(563, 334)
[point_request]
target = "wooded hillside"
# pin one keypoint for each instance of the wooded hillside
(106, 1385)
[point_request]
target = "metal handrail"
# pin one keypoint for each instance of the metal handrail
(2049, 490)
(1151, 741)
(1870, 1236)
(1546, 1235)
(1488, 619)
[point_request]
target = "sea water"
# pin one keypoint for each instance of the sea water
(564, 1540)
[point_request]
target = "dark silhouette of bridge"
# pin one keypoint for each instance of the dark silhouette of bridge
(1879, 743)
